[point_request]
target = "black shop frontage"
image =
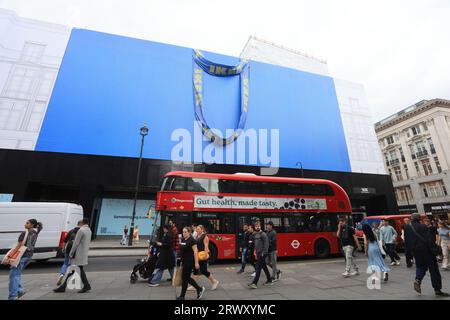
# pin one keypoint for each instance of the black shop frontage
(104, 185)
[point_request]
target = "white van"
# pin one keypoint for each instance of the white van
(57, 219)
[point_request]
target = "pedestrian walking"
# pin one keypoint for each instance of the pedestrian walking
(273, 251)
(349, 241)
(68, 243)
(251, 248)
(244, 247)
(124, 239)
(175, 241)
(136, 234)
(408, 254)
(424, 250)
(444, 242)
(373, 252)
(203, 246)
(79, 256)
(26, 239)
(189, 262)
(166, 258)
(388, 237)
(262, 250)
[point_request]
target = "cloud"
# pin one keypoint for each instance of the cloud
(397, 49)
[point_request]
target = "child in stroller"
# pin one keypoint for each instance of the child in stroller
(144, 269)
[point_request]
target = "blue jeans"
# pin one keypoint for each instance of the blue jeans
(244, 258)
(15, 278)
(65, 265)
(158, 275)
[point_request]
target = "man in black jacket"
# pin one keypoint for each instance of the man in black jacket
(262, 249)
(273, 251)
(423, 250)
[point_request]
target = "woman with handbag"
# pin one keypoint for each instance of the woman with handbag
(203, 256)
(19, 257)
(189, 261)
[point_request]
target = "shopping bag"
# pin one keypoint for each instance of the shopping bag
(13, 256)
(177, 277)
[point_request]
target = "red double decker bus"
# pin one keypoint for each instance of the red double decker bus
(304, 212)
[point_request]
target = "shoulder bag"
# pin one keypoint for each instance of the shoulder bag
(435, 249)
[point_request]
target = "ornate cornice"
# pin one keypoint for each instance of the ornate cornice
(402, 116)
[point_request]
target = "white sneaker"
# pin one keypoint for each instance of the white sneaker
(397, 263)
(346, 274)
(214, 286)
(354, 273)
(393, 263)
(253, 274)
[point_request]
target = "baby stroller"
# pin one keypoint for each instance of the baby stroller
(144, 269)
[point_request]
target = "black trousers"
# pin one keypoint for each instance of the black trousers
(409, 257)
(83, 277)
(392, 252)
(187, 279)
(433, 267)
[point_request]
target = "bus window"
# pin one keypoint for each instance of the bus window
(252, 187)
(215, 223)
(166, 183)
(197, 185)
(277, 223)
(181, 219)
(291, 189)
(270, 188)
(291, 224)
(178, 184)
(222, 186)
(317, 190)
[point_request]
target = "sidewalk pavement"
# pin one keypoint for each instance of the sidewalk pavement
(314, 279)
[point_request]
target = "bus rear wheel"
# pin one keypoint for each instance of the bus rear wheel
(322, 249)
(212, 254)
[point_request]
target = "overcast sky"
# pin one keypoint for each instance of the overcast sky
(399, 50)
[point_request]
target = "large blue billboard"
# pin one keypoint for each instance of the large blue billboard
(109, 85)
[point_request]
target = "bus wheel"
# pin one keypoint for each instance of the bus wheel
(322, 248)
(212, 254)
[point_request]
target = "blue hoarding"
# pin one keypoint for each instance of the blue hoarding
(109, 85)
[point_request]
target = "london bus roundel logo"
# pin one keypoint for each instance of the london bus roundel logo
(295, 244)
(173, 200)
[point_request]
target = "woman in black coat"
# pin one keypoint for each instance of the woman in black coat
(166, 258)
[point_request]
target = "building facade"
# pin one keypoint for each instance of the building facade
(84, 143)
(30, 56)
(415, 143)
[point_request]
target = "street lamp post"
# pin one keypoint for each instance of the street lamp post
(301, 167)
(143, 132)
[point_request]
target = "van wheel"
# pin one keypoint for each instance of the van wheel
(212, 254)
(321, 248)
